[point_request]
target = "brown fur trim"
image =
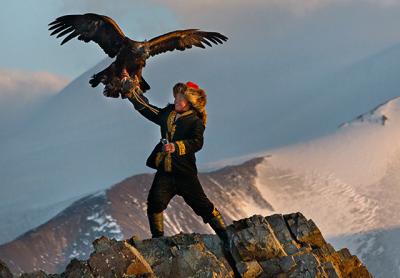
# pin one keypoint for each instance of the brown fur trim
(196, 97)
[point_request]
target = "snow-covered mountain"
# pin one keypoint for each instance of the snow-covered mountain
(347, 182)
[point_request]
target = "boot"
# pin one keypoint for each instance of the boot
(217, 223)
(156, 222)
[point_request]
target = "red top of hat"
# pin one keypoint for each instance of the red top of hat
(192, 85)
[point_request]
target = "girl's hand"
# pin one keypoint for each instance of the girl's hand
(169, 148)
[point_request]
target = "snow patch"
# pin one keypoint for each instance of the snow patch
(105, 224)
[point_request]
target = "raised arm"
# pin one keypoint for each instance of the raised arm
(140, 102)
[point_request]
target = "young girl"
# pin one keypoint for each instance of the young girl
(182, 126)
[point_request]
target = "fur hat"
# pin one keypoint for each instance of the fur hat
(195, 95)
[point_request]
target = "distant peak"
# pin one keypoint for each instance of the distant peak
(381, 114)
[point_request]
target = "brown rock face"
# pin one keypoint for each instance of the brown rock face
(274, 246)
(117, 258)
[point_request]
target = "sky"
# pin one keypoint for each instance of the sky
(28, 46)
(27, 50)
(286, 68)
(33, 65)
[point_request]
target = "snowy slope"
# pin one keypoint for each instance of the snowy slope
(348, 183)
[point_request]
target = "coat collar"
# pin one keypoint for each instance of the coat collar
(181, 115)
(188, 112)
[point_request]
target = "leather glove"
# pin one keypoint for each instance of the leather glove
(128, 85)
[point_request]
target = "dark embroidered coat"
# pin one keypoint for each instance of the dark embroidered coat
(186, 133)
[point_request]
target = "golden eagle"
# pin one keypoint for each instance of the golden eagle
(130, 55)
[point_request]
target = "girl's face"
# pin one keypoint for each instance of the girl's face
(181, 103)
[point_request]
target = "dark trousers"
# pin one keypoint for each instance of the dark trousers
(166, 185)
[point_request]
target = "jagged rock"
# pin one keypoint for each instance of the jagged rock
(249, 269)
(116, 258)
(254, 239)
(111, 258)
(185, 255)
(304, 231)
(274, 246)
(77, 269)
(283, 234)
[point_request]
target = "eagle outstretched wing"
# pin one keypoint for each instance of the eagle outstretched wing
(90, 27)
(183, 39)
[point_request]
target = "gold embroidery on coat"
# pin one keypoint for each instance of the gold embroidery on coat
(171, 126)
(185, 113)
(181, 147)
(159, 157)
(215, 212)
(168, 163)
(171, 122)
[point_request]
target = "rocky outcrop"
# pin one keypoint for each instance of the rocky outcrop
(277, 245)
